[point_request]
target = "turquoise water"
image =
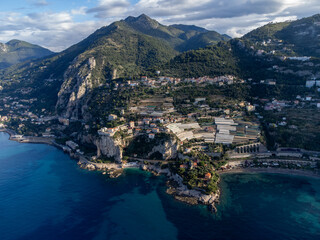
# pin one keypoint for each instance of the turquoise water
(44, 195)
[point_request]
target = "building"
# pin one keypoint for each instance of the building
(155, 130)
(312, 82)
(224, 127)
(64, 121)
(250, 108)
(72, 145)
(208, 176)
(112, 117)
(151, 135)
(131, 124)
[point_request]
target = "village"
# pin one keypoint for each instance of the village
(205, 127)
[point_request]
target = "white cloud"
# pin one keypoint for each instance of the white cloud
(110, 8)
(40, 3)
(79, 11)
(55, 31)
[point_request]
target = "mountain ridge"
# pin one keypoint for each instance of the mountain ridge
(137, 46)
(17, 51)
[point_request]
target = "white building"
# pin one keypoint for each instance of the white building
(312, 82)
(72, 145)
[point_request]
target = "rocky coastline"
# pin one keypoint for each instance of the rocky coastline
(175, 185)
(179, 191)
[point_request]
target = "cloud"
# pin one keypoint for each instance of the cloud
(40, 3)
(79, 11)
(234, 17)
(55, 31)
(110, 8)
(59, 30)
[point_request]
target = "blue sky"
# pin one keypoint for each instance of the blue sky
(58, 24)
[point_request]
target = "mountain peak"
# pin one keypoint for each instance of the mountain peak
(143, 20)
(144, 17)
(141, 17)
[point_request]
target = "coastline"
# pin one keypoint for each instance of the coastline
(284, 171)
(28, 139)
(175, 186)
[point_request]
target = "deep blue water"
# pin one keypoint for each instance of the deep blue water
(44, 195)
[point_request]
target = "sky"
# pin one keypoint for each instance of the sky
(58, 24)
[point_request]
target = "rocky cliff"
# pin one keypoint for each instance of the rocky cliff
(168, 149)
(77, 85)
(109, 147)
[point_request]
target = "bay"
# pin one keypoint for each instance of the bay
(45, 195)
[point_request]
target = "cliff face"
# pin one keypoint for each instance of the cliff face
(168, 149)
(107, 146)
(78, 83)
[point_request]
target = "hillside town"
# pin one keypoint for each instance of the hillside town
(221, 133)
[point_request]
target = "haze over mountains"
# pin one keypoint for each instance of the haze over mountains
(16, 51)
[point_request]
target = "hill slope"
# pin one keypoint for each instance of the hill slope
(297, 38)
(255, 54)
(124, 49)
(16, 51)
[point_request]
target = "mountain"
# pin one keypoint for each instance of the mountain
(202, 40)
(16, 51)
(180, 37)
(124, 49)
(256, 53)
(296, 38)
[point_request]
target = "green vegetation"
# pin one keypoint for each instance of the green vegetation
(298, 37)
(200, 177)
(301, 131)
(16, 51)
(215, 60)
(142, 145)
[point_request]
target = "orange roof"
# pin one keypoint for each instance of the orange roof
(207, 175)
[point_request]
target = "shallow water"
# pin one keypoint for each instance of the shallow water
(44, 195)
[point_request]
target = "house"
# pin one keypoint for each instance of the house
(131, 124)
(64, 121)
(183, 166)
(151, 135)
(283, 123)
(112, 117)
(153, 125)
(207, 176)
(155, 130)
(146, 121)
(250, 108)
(271, 82)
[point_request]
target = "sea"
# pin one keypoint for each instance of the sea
(45, 195)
